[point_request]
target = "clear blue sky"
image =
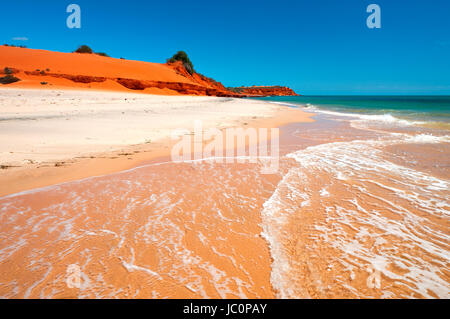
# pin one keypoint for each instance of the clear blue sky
(313, 46)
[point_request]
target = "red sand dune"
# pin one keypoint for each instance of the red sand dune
(47, 69)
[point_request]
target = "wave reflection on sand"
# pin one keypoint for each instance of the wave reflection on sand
(160, 231)
(354, 212)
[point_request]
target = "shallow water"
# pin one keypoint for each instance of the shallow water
(160, 231)
(412, 109)
(359, 219)
(358, 209)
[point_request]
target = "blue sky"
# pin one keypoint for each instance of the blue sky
(313, 46)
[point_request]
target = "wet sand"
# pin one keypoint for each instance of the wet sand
(188, 249)
(363, 216)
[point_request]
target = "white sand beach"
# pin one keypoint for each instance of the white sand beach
(46, 125)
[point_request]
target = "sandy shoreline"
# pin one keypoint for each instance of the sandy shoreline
(181, 244)
(352, 212)
(49, 137)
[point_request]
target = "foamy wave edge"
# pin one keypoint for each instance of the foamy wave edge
(384, 118)
(272, 220)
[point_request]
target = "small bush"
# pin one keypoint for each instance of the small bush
(7, 71)
(102, 54)
(238, 90)
(84, 49)
(183, 57)
(14, 46)
(44, 83)
(8, 79)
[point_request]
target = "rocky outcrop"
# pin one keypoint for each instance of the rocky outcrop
(203, 85)
(74, 78)
(264, 91)
(182, 88)
(217, 89)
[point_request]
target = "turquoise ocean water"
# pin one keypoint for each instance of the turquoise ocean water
(410, 108)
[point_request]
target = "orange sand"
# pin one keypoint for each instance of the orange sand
(119, 251)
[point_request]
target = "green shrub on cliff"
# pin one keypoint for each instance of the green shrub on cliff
(183, 57)
(15, 46)
(235, 90)
(84, 49)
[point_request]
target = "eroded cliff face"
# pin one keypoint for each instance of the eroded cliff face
(216, 88)
(203, 85)
(264, 91)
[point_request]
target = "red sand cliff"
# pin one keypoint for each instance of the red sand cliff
(47, 69)
(265, 91)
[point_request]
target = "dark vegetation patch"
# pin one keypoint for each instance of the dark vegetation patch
(183, 57)
(14, 46)
(8, 79)
(84, 49)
